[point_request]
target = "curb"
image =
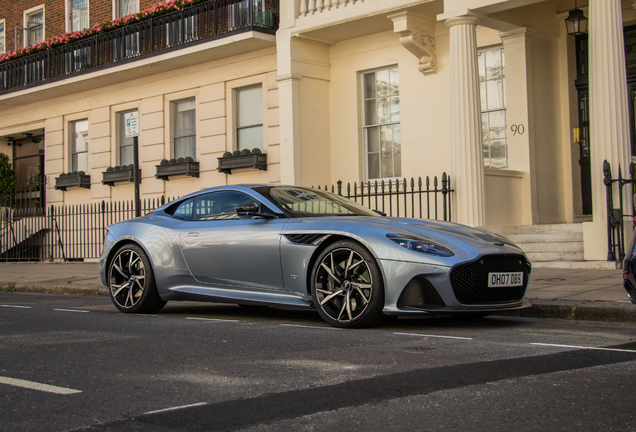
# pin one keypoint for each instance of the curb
(583, 311)
(54, 289)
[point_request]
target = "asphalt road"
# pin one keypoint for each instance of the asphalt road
(75, 363)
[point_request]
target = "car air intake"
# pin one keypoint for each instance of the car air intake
(419, 293)
(470, 280)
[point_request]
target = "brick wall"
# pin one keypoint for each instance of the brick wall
(54, 11)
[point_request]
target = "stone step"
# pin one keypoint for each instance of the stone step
(607, 265)
(554, 256)
(551, 247)
(545, 238)
(536, 229)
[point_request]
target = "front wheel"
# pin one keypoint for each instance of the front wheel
(347, 287)
(131, 282)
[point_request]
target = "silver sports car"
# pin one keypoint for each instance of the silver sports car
(295, 246)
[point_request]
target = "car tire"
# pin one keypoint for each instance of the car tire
(131, 282)
(347, 286)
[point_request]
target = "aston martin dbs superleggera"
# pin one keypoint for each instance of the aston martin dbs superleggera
(302, 247)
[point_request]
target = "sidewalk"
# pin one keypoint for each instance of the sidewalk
(586, 294)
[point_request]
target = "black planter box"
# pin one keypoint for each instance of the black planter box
(83, 181)
(227, 164)
(110, 177)
(187, 168)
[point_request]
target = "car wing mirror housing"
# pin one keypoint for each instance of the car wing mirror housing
(252, 209)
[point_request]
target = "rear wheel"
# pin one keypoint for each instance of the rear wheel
(347, 287)
(131, 282)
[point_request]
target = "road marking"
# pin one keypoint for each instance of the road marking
(70, 310)
(37, 386)
(177, 408)
(16, 306)
(211, 319)
(583, 347)
(311, 327)
(435, 336)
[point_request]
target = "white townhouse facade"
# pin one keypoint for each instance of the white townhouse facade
(495, 93)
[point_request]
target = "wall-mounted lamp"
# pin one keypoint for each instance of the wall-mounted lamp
(576, 23)
(9, 140)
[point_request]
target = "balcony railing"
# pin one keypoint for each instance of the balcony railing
(310, 7)
(196, 24)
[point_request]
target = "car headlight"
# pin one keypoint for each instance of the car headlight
(420, 245)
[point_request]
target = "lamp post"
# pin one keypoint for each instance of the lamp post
(576, 23)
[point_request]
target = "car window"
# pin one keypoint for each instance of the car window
(184, 210)
(220, 205)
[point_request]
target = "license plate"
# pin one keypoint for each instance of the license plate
(498, 280)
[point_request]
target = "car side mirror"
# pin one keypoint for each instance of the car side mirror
(251, 209)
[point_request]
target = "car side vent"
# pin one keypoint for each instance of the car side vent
(419, 293)
(306, 239)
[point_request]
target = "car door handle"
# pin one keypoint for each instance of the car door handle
(193, 234)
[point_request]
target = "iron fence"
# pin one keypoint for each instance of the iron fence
(76, 232)
(195, 24)
(616, 215)
(412, 198)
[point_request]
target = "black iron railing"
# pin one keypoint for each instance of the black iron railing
(616, 215)
(198, 23)
(412, 198)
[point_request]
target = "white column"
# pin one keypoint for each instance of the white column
(609, 114)
(467, 150)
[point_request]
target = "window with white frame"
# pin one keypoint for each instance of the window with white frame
(2, 38)
(79, 145)
(34, 27)
(382, 132)
(184, 128)
(78, 14)
(126, 7)
(249, 117)
(492, 86)
(126, 147)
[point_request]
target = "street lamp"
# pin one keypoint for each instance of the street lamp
(576, 23)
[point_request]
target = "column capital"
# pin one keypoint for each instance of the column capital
(463, 20)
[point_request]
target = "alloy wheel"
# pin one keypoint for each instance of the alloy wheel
(127, 278)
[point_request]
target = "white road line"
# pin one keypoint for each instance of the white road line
(211, 319)
(435, 336)
(311, 327)
(584, 347)
(70, 310)
(37, 386)
(16, 306)
(176, 408)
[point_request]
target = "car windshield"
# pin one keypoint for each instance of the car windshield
(304, 202)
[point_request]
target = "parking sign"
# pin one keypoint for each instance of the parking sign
(131, 121)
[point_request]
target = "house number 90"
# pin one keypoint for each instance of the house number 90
(517, 129)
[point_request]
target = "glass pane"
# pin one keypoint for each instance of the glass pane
(395, 82)
(370, 113)
(250, 138)
(486, 154)
(397, 150)
(80, 136)
(185, 118)
(387, 164)
(493, 65)
(383, 110)
(484, 126)
(494, 90)
(498, 154)
(374, 165)
(382, 83)
(373, 139)
(497, 124)
(395, 109)
(127, 7)
(369, 85)
(386, 138)
(184, 147)
(483, 96)
(249, 106)
(481, 66)
(126, 155)
(82, 162)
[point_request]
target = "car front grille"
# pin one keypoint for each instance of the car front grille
(470, 280)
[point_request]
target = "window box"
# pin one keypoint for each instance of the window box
(228, 163)
(110, 177)
(73, 180)
(180, 168)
